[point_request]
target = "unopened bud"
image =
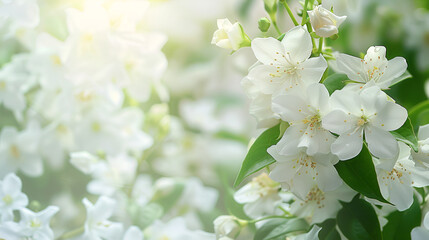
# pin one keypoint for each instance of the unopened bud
(264, 24)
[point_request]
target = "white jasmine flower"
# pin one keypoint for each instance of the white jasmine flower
(286, 64)
(298, 171)
(324, 22)
(371, 112)
(304, 114)
(226, 227)
(421, 158)
(175, 229)
(422, 232)
(260, 196)
(15, 81)
(97, 225)
(18, 16)
(19, 150)
(195, 198)
(374, 69)
(230, 36)
(260, 104)
(396, 183)
(318, 205)
(11, 197)
(133, 233)
(84, 161)
(31, 226)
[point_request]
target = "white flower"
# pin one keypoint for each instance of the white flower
(19, 150)
(298, 171)
(421, 158)
(18, 16)
(260, 104)
(318, 205)
(175, 229)
(195, 198)
(396, 183)
(260, 196)
(84, 161)
(97, 225)
(226, 227)
(15, 81)
(374, 68)
(304, 114)
(31, 226)
(133, 233)
(324, 22)
(371, 112)
(230, 36)
(421, 233)
(11, 197)
(286, 65)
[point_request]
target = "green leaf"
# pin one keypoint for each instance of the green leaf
(328, 231)
(419, 114)
(358, 220)
(400, 224)
(406, 134)
(258, 157)
(234, 208)
(359, 174)
(283, 127)
(145, 216)
(334, 82)
(268, 227)
(280, 228)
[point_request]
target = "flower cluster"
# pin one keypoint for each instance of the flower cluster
(334, 132)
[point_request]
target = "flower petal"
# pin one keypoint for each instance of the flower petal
(290, 108)
(395, 68)
(268, 51)
(338, 122)
(311, 71)
(348, 145)
(297, 44)
(381, 143)
(267, 79)
(391, 117)
(352, 67)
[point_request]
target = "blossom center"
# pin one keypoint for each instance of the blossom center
(2, 85)
(35, 223)
(14, 151)
(7, 199)
(317, 196)
(56, 60)
(362, 121)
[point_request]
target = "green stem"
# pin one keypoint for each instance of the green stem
(304, 13)
(276, 27)
(265, 218)
(319, 50)
(290, 13)
(72, 233)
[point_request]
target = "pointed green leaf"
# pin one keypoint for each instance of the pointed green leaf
(406, 134)
(258, 157)
(419, 114)
(357, 220)
(400, 224)
(286, 227)
(359, 174)
(328, 231)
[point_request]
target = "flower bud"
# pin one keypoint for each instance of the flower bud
(324, 22)
(230, 36)
(270, 6)
(227, 227)
(264, 24)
